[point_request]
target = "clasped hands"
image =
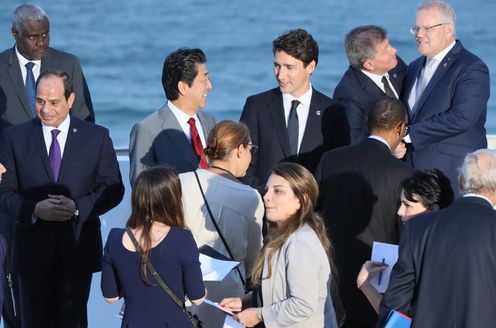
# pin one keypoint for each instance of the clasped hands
(55, 208)
(247, 317)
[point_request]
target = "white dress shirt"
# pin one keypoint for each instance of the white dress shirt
(23, 61)
(377, 79)
(61, 137)
(303, 109)
(183, 118)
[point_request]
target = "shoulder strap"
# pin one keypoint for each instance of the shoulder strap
(156, 276)
(217, 227)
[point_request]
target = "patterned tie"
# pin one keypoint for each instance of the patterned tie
(387, 88)
(54, 155)
(424, 78)
(293, 127)
(31, 86)
(197, 144)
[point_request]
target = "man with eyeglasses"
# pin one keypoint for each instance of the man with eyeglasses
(446, 92)
(20, 67)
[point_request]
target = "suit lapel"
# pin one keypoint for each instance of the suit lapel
(172, 130)
(410, 78)
(444, 65)
(73, 145)
(276, 110)
(313, 125)
(15, 76)
(39, 140)
(368, 85)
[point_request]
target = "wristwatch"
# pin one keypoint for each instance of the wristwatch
(259, 314)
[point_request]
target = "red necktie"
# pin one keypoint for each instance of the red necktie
(196, 142)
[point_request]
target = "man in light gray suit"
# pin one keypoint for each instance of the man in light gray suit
(175, 135)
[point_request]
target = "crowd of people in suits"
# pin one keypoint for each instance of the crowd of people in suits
(297, 191)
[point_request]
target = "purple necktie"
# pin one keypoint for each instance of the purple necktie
(54, 155)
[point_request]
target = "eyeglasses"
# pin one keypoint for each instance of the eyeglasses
(253, 148)
(415, 29)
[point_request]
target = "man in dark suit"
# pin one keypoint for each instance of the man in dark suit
(175, 135)
(62, 173)
(360, 192)
(31, 32)
(446, 90)
(293, 122)
(444, 276)
(375, 72)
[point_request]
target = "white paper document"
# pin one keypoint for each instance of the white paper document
(387, 253)
(231, 323)
(216, 305)
(215, 270)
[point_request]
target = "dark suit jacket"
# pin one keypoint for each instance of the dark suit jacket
(359, 94)
(89, 175)
(359, 197)
(14, 103)
(449, 119)
(445, 272)
(264, 114)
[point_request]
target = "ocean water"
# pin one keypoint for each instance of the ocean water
(122, 46)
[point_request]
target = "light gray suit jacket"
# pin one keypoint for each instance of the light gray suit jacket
(298, 294)
(159, 140)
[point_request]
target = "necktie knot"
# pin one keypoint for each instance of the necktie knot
(55, 133)
(29, 66)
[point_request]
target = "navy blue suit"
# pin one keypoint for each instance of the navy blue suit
(359, 94)
(90, 176)
(449, 118)
(444, 276)
(264, 114)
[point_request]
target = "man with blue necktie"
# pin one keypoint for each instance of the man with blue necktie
(446, 92)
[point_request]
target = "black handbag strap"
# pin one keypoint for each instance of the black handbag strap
(157, 277)
(217, 228)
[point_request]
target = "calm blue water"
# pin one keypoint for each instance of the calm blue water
(122, 46)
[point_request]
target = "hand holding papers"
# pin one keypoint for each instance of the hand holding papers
(216, 305)
(384, 253)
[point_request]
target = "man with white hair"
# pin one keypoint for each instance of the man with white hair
(444, 276)
(446, 91)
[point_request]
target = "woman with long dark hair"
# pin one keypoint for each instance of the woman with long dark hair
(293, 272)
(157, 223)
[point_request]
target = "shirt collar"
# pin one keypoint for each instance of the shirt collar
(375, 77)
(63, 127)
(380, 139)
(179, 114)
(305, 99)
(440, 56)
(23, 60)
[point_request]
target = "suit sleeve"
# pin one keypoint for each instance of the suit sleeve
(82, 107)
(11, 202)
(108, 190)
(400, 292)
(303, 293)
(470, 94)
(141, 155)
(336, 130)
(249, 117)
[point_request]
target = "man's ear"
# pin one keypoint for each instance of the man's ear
(182, 87)
(71, 98)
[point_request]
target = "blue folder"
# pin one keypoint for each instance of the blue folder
(397, 319)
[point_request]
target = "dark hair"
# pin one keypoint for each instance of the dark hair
(431, 186)
(305, 188)
(156, 196)
(68, 88)
(360, 44)
(386, 114)
(181, 65)
(298, 44)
